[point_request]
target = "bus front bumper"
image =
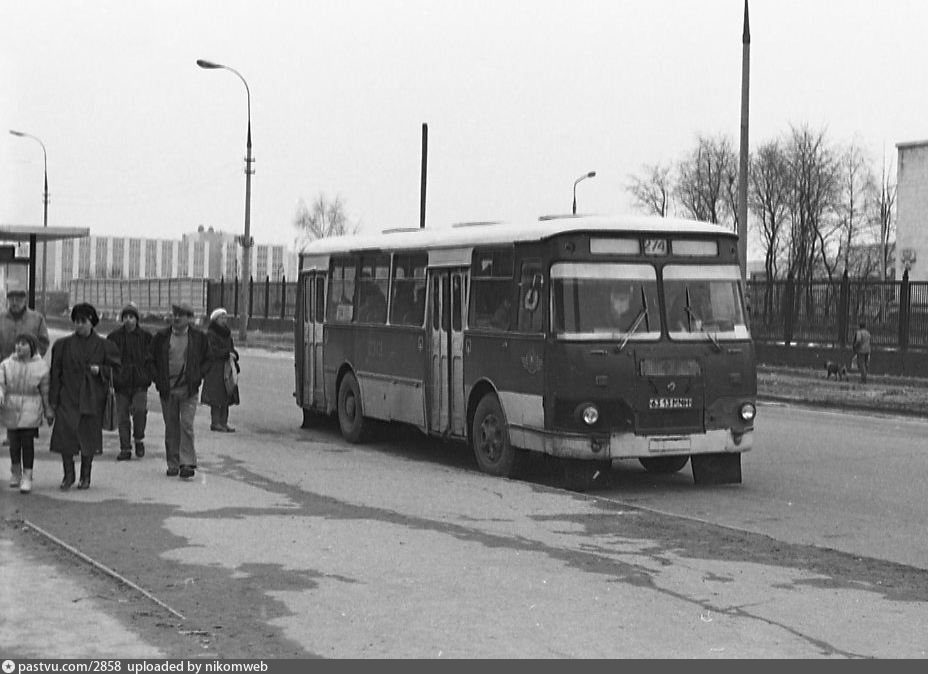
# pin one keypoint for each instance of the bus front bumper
(629, 445)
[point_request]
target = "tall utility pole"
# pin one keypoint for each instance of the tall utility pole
(246, 239)
(21, 134)
(425, 162)
(743, 167)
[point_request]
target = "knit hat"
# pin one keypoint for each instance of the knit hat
(131, 308)
(217, 313)
(86, 311)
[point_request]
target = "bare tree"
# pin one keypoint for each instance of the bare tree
(324, 218)
(857, 187)
(768, 199)
(705, 181)
(884, 210)
(653, 193)
(813, 194)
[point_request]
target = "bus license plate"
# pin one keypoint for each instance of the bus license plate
(675, 444)
(670, 403)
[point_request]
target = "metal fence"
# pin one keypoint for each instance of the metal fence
(266, 299)
(153, 297)
(828, 312)
(792, 312)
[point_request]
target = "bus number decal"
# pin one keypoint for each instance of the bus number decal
(655, 246)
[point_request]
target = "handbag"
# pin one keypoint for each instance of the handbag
(109, 408)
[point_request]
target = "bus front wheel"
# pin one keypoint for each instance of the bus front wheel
(490, 439)
(716, 468)
(350, 412)
(664, 464)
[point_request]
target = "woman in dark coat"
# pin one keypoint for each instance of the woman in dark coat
(82, 364)
(215, 391)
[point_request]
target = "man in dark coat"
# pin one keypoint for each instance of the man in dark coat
(19, 319)
(132, 382)
(82, 364)
(176, 362)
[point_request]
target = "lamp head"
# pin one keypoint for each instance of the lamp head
(591, 174)
(209, 65)
(17, 133)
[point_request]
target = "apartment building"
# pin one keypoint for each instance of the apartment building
(206, 253)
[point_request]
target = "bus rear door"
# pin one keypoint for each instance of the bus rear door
(313, 340)
(447, 299)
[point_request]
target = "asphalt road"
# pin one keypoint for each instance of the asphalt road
(291, 543)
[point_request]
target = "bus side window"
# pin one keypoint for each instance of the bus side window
(372, 289)
(491, 290)
(407, 305)
(341, 291)
(531, 290)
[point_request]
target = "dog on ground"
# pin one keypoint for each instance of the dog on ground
(837, 369)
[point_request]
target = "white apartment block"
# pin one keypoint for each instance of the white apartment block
(912, 211)
(203, 254)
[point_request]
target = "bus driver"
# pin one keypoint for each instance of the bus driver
(621, 314)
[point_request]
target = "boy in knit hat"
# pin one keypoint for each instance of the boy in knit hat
(131, 382)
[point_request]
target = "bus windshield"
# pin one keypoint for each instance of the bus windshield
(704, 302)
(594, 300)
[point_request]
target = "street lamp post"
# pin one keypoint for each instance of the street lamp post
(44, 212)
(591, 174)
(246, 239)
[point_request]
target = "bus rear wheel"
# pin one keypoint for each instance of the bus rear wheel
(664, 464)
(350, 413)
(490, 439)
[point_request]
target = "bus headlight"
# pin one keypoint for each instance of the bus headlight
(590, 415)
(748, 411)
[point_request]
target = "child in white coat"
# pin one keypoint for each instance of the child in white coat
(24, 380)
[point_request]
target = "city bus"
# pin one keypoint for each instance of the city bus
(588, 339)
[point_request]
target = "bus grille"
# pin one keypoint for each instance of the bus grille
(669, 367)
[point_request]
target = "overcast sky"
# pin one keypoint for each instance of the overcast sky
(521, 98)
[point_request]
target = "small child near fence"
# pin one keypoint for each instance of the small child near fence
(24, 378)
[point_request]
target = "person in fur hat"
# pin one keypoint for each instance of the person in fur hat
(218, 393)
(132, 382)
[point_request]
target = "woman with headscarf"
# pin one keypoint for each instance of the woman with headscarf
(221, 357)
(82, 365)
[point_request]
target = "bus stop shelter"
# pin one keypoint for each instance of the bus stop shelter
(34, 235)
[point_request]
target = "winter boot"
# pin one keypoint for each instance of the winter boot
(26, 486)
(67, 462)
(86, 463)
(16, 476)
(139, 448)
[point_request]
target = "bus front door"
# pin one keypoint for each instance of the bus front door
(447, 299)
(313, 313)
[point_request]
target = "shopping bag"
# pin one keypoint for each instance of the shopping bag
(230, 375)
(109, 409)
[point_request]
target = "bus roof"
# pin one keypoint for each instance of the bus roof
(474, 234)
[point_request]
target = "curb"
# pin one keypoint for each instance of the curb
(849, 407)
